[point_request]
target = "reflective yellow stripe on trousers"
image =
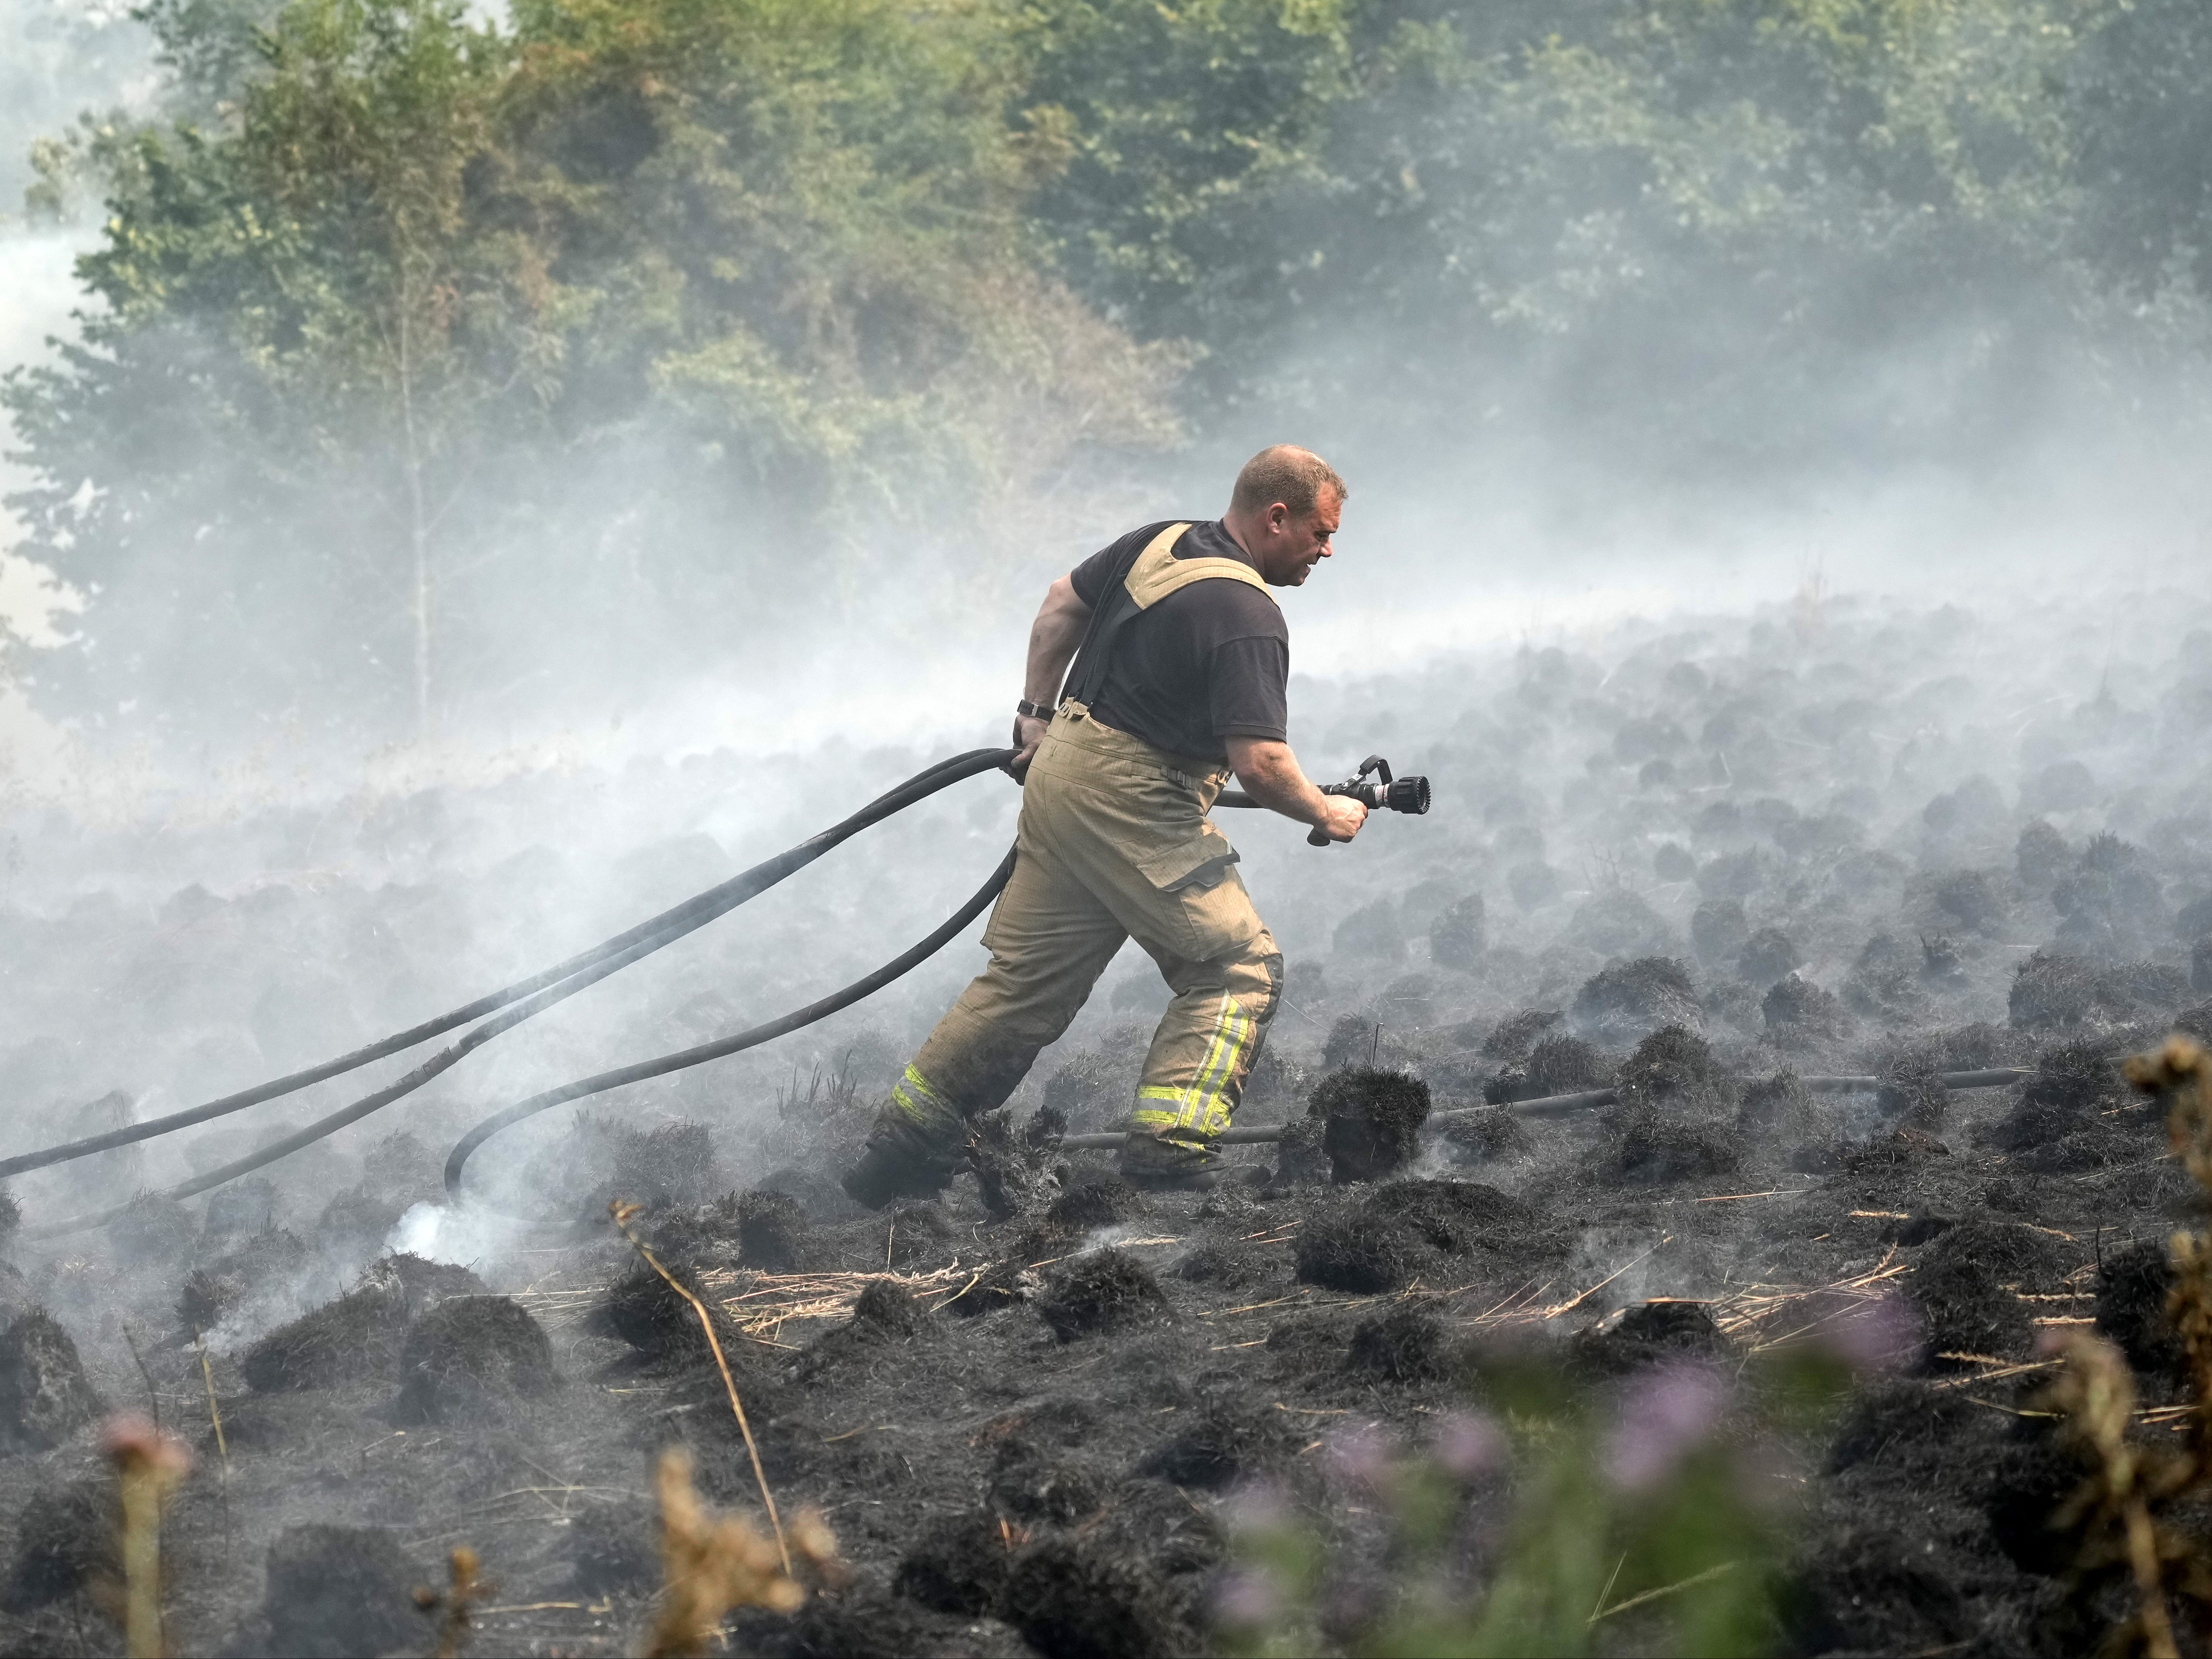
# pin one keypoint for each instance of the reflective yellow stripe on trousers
(1202, 1106)
(915, 1096)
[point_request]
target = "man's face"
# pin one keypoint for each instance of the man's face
(1291, 544)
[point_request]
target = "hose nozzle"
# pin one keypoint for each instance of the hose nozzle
(1383, 793)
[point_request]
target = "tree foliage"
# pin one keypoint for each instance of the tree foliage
(1684, 215)
(434, 317)
(684, 311)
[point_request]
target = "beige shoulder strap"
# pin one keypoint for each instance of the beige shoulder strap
(1158, 572)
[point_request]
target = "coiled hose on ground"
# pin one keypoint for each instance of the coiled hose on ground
(525, 997)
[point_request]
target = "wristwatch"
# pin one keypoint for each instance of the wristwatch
(1033, 711)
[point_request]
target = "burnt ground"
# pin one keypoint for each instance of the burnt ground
(1042, 1413)
(1034, 1430)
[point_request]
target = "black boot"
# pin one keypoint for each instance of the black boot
(896, 1164)
(1152, 1164)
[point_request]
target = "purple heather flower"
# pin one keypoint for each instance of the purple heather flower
(1361, 1451)
(1468, 1445)
(1663, 1418)
(1876, 1336)
(1247, 1598)
(1260, 1507)
(1349, 1603)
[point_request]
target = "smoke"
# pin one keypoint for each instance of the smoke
(1827, 621)
(463, 1235)
(36, 275)
(1962, 527)
(1552, 423)
(64, 57)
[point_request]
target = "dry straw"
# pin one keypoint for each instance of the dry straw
(2096, 1394)
(214, 1412)
(770, 1300)
(622, 1213)
(2117, 1509)
(716, 1563)
(148, 1464)
(464, 1588)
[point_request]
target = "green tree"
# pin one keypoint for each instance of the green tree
(2142, 126)
(1192, 131)
(433, 365)
(478, 350)
(306, 355)
(800, 225)
(1674, 234)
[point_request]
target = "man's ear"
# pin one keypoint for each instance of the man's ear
(1278, 516)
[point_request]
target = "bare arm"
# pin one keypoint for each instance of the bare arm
(1272, 776)
(1055, 638)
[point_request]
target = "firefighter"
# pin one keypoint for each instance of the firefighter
(1180, 658)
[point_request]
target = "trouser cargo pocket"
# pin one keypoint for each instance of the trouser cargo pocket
(1203, 904)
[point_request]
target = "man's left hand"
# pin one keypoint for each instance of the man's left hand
(1028, 734)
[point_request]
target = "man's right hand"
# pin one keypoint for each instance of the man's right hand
(1028, 734)
(1341, 817)
(1272, 776)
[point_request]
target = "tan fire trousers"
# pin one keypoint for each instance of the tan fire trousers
(1114, 844)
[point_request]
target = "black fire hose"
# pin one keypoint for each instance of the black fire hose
(1405, 795)
(541, 991)
(868, 985)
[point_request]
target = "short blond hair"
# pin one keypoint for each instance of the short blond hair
(1284, 473)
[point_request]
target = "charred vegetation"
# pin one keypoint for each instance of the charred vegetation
(1041, 1410)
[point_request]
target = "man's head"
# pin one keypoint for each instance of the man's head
(1286, 507)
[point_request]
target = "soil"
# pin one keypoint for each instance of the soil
(1371, 1122)
(2133, 1282)
(1034, 1409)
(1054, 1473)
(1104, 1292)
(1402, 1346)
(772, 1232)
(44, 1396)
(334, 1591)
(65, 1542)
(1484, 1137)
(358, 1334)
(470, 1356)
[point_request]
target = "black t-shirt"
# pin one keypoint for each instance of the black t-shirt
(1211, 660)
